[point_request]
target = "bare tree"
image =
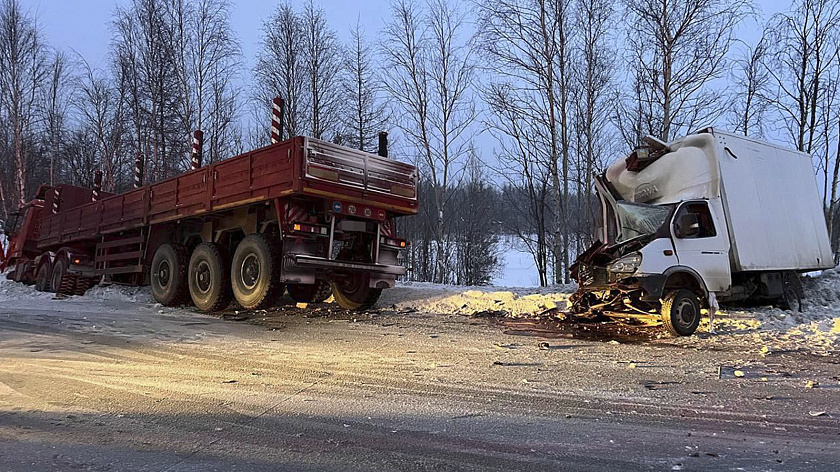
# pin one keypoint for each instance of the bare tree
(146, 64)
(429, 72)
(521, 157)
(802, 48)
(57, 95)
(528, 43)
(100, 108)
(322, 62)
(677, 47)
(750, 99)
(367, 114)
(22, 70)
(280, 70)
(594, 72)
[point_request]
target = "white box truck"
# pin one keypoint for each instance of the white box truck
(709, 217)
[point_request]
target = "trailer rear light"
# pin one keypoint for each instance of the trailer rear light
(312, 229)
(320, 173)
(77, 261)
(403, 191)
(393, 242)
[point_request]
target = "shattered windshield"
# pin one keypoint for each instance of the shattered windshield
(637, 219)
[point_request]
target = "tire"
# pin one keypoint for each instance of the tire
(310, 293)
(59, 271)
(353, 293)
(255, 272)
(681, 312)
(792, 295)
(168, 275)
(42, 280)
(208, 279)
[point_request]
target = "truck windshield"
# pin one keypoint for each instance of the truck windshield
(637, 219)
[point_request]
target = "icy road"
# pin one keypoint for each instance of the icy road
(112, 382)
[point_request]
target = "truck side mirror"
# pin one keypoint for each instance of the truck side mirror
(688, 226)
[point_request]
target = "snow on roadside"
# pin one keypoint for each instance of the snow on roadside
(765, 328)
(511, 301)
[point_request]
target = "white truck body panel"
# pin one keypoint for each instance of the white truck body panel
(767, 194)
(773, 209)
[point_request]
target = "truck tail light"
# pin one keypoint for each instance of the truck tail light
(400, 243)
(311, 229)
(403, 191)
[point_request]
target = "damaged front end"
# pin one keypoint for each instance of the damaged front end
(607, 285)
(607, 273)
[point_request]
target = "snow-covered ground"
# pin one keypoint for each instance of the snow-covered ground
(767, 329)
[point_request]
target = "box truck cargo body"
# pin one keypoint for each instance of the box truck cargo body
(710, 216)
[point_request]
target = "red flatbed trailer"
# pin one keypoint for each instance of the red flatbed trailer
(313, 215)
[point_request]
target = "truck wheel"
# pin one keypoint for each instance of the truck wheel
(681, 312)
(59, 270)
(353, 293)
(792, 295)
(208, 278)
(42, 281)
(255, 272)
(310, 293)
(168, 275)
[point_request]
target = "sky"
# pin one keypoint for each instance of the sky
(84, 26)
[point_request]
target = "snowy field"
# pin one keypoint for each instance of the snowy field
(766, 329)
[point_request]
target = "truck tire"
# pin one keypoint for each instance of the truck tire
(42, 280)
(353, 293)
(255, 272)
(681, 312)
(792, 295)
(59, 272)
(310, 293)
(168, 275)
(208, 279)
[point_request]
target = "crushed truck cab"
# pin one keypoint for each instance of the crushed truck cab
(711, 216)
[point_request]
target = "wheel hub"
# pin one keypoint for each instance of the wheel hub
(685, 313)
(163, 274)
(249, 272)
(202, 277)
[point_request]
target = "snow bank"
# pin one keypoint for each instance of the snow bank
(121, 293)
(769, 329)
(10, 291)
(510, 301)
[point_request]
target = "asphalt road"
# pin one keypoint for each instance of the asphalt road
(115, 386)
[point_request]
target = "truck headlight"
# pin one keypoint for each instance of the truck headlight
(627, 264)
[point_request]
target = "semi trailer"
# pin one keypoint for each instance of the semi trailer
(710, 217)
(302, 215)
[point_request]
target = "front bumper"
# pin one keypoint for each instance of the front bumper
(598, 279)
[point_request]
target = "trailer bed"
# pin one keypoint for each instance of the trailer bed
(298, 166)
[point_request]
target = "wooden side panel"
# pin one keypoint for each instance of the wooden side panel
(134, 208)
(89, 216)
(50, 230)
(231, 181)
(112, 210)
(192, 192)
(72, 224)
(272, 172)
(164, 198)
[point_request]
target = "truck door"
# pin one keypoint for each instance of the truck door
(702, 246)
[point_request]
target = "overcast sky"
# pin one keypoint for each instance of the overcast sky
(84, 26)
